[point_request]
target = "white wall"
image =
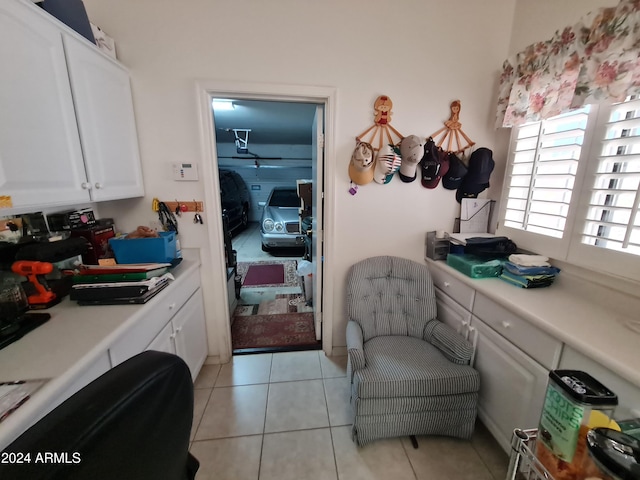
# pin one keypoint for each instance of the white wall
(538, 20)
(423, 54)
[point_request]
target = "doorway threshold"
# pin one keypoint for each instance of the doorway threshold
(292, 348)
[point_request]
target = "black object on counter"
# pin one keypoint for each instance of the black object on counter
(16, 329)
(616, 453)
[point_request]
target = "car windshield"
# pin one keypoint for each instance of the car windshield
(284, 198)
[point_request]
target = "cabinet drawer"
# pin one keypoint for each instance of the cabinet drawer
(540, 345)
(155, 316)
(459, 291)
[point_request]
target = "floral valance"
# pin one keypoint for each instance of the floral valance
(593, 61)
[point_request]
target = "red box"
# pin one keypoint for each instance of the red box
(98, 238)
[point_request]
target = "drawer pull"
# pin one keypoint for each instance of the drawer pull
(446, 284)
(506, 324)
(172, 306)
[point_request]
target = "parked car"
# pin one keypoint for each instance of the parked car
(235, 199)
(280, 224)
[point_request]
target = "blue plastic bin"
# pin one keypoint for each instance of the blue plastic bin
(145, 250)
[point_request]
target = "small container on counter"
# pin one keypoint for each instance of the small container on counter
(615, 454)
(575, 403)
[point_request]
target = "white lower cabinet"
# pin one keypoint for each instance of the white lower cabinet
(185, 335)
(163, 341)
(628, 394)
(512, 385)
(452, 313)
(512, 356)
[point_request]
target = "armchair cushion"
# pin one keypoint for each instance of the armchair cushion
(402, 366)
(447, 340)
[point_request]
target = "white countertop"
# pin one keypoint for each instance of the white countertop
(73, 338)
(575, 318)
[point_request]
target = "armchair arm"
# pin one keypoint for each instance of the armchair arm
(448, 341)
(354, 346)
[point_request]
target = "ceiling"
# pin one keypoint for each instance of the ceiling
(284, 123)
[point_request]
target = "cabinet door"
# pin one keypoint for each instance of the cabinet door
(512, 385)
(164, 341)
(452, 313)
(104, 107)
(40, 155)
(191, 333)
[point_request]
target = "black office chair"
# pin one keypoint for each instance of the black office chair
(133, 422)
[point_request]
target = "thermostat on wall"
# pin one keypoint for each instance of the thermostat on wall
(185, 171)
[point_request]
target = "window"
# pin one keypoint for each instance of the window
(613, 219)
(545, 162)
(572, 188)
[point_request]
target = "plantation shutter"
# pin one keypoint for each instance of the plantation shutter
(543, 169)
(613, 215)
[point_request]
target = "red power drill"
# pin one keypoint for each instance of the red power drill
(35, 272)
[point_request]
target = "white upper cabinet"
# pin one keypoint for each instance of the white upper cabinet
(40, 154)
(102, 97)
(67, 128)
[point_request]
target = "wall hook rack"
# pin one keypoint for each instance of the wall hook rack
(186, 206)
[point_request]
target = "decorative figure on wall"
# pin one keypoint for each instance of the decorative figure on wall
(381, 127)
(452, 130)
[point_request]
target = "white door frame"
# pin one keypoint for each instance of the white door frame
(218, 314)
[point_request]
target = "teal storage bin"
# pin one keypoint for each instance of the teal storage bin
(161, 249)
(475, 267)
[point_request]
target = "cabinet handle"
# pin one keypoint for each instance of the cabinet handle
(446, 284)
(98, 185)
(86, 186)
(178, 330)
(465, 328)
(172, 306)
(506, 324)
(172, 336)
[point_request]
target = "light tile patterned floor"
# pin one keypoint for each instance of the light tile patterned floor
(287, 416)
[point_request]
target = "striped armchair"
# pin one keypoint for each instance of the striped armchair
(409, 372)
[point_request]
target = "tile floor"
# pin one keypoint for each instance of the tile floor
(286, 416)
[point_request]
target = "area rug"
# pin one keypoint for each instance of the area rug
(282, 303)
(264, 331)
(269, 274)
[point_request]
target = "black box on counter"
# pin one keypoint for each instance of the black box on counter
(71, 220)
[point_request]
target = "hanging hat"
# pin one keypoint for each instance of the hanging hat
(454, 176)
(434, 164)
(361, 165)
(411, 151)
(476, 180)
(387, 163)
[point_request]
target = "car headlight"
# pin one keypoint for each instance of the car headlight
(267, 225)
(279, 227)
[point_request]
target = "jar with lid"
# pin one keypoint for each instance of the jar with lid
(575, 402)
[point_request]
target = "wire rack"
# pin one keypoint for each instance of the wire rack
(523, 464)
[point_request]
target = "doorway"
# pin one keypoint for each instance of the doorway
(265, 158)
(324, 99)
